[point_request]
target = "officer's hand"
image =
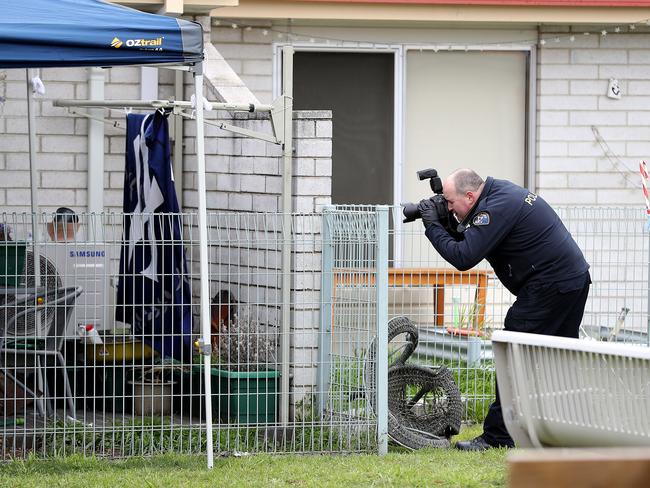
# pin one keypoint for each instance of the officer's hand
(441, 206)
(429, 212)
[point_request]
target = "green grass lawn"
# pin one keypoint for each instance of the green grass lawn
(399, 468)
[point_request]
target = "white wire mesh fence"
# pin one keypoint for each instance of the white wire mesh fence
(95, 343)
(457, 311)
(97, 351)
(97, 348)
(615, 242)
(326, 404)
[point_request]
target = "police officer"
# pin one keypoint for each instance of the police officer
(531, 252)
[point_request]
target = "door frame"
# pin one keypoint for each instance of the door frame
(400, 52)
(398, 99)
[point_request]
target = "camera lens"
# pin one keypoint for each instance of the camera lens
(411, 212)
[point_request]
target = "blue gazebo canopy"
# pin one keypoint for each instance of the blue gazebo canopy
(58, 33)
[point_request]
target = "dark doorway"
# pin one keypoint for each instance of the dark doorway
(358, 89)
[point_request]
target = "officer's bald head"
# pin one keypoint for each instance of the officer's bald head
(465, 180)
(461, 189)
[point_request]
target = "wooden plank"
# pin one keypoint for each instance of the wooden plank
(436, 278)
(575, 468)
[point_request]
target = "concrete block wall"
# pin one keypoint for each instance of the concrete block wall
(245, 174)
(572, 166)
(588, 152)
(63, 168)
(249, 52)
(245, 178)
(588, 145)
(61, 139)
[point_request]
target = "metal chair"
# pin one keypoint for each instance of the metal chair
(23, 352)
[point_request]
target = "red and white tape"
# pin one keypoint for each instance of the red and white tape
(644, 182)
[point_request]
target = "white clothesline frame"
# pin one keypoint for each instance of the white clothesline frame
(281, 113)
(277, 111)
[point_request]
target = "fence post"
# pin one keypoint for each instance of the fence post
(382, 329)
(647, 291)
(287, 209)
(326, 310)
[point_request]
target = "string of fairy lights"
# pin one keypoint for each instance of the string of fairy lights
(543, 40)
(288, 35)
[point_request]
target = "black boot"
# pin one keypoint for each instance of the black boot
(476, 444)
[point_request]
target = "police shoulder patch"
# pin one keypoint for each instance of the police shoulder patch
(481, 218)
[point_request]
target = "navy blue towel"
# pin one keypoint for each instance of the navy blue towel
(154, 293)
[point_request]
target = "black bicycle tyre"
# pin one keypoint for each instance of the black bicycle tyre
(445, 420)
(396, 326)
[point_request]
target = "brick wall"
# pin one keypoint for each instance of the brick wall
(61, 139)
(244, 178)
(573, 167)
(249, 53)
(245, 174)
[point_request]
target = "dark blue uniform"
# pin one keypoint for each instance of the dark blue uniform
(535, 258)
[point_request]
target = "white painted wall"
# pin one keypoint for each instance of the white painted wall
(573, 168)
(572, 77)
(243, 173)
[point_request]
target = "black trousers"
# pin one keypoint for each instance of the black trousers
(554, 309)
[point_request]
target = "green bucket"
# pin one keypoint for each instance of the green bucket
(251, 396)
(245, 397)
(12, 263)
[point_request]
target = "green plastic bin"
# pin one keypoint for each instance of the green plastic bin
(251, 396)
(245, 397)
(12, 262)
(193, 400)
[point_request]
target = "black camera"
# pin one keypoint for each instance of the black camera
(410, 210)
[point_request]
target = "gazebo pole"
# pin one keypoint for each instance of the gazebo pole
(203, 256)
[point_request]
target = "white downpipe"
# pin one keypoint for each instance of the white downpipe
(96, 144)
(287, 208)
(148, 83)
(178, 140)
(31, 128)
(203, 259)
